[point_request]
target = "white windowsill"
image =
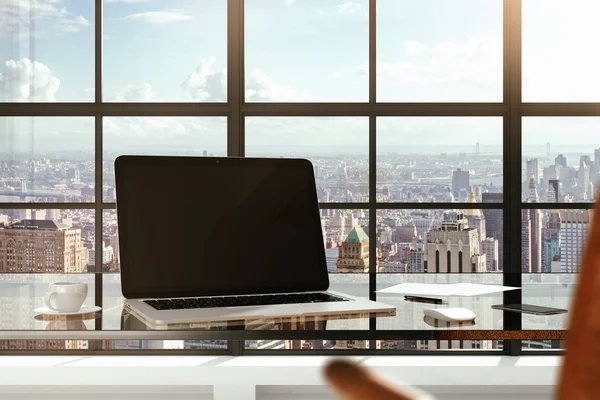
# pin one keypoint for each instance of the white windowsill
(193, 374)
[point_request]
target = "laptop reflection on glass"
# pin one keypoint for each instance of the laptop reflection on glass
(215, 239)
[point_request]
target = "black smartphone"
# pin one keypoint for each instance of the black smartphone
(429, 300)
(529, 309)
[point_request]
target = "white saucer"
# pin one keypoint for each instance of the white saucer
(83, 310)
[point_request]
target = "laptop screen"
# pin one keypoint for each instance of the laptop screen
(218, 226)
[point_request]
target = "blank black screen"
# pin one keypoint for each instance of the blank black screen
(193, 227)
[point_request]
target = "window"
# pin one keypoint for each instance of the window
(289, 47)
(38, 39)
(189, 35)
(10, 253)
(557, 63)
(406, 123)
(439, 51)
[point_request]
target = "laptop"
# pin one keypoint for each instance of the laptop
(220, 239)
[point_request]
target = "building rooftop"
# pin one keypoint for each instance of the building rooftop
(34, 224)
(473, 211)
(357, 235)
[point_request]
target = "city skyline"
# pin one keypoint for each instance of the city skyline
(418, 177)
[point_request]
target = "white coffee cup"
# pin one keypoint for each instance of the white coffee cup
(66, 296)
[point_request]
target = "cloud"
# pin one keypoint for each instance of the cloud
(159, 17)
(414, 47)
(166, 135)
(201, 85)
(559, 63)
(13, 11)
(337, 75)
(17, 16)
(204, 85)
(348, 8)
(145, 127)
(260, 87)
(27, 81)
(289, 2)
(448, 71)
(134, 93)
(72, 25)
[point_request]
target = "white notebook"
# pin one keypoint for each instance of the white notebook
(443, 289)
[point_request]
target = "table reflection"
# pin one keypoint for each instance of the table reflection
(437, 323)
(133, 322)
(66, 325)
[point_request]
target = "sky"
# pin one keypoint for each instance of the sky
(295, 50)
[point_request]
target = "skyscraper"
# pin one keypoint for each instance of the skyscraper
(340, 224)
(535, 234)
(324, 232)
(574, 225)
(561, 160)
(583, 179)
(489, 247)
(40, 246)
(585, 159)
(454, 247)
(551, 241)
(597, 157)
(405, 233)
(51, 215)
(525, 241)
(533, 168)
(549, 173)
(424, 222)
(354, 252)
(460, 180)
(417, 257)
(553, 191)
(107, 256)
(475, 218)
(494, 223)
(550, 250)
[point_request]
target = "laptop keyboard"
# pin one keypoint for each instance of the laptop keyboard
(242, 301)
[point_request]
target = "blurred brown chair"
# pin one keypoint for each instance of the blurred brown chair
(580, 372)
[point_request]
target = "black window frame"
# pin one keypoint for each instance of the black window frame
(512, 110)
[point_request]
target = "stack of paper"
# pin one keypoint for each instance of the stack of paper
(455, 289)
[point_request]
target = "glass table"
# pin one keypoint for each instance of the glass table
(20, 295)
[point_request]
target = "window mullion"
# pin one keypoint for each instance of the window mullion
(235, 77)
(98, 146)
(512, 165)
(372, 162)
